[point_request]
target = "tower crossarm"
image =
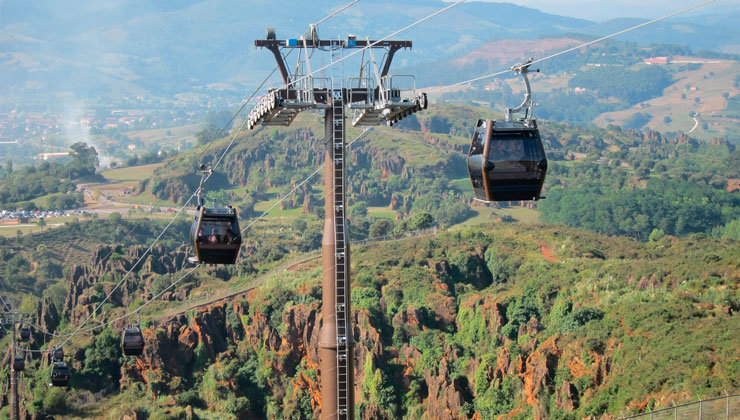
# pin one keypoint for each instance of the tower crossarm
(275, 45)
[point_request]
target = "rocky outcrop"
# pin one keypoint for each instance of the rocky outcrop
(47, 315)
(89, 284)
(566, 397)
(446, 394)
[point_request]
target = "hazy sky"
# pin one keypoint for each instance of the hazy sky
(600, 10)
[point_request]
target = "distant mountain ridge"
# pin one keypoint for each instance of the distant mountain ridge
(133, 47)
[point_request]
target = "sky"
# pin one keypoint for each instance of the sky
(601, 10)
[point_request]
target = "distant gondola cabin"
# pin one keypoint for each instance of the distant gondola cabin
(60, 374)
(25, 333)
(132, 341)
(19, 363)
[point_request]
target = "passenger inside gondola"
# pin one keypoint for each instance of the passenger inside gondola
(216, 233)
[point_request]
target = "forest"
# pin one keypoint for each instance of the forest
(629, 86)
(18, 186)
(629, 182)
(532, 320)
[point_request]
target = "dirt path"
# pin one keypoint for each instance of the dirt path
(696, 124)
(546, 252)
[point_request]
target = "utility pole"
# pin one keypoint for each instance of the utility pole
(12, 318)
(14, 409)
(372, 101)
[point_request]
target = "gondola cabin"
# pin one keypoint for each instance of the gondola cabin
(57, 353)
(19, 363)
(215, 235)
(506, 161)
(25, 333)
(59, 374)
(132, 341)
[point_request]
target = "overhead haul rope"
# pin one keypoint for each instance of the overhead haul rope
(176, 215)
(129, 231)
(218, 162)
(181, 278)
(586, 44)
(433, 90)
(359, 50)
(233, 138)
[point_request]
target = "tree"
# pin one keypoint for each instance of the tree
(359, 209)
(84, 160)
(381, 227)
(421, 220)
(732, 230)
(299, 225)
(311, 239)
(656, 235)
(637, 120)
(207, 135)
(102, 362)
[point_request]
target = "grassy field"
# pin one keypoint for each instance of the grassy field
(113, 186)
(277, 212)
(42, 202)
(10, 230)
(131, 173)
(128, 178)
(462, 185)
(147, 200)
(488, 214)
(167, 136)
(381, 212)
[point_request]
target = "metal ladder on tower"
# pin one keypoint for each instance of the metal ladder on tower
(344, 387)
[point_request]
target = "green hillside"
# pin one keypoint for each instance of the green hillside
(499, 314)
(612, 180)
(529, 321)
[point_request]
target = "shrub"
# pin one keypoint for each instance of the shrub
(189, 398)
(55, 401)
(381, 227)
(502, 266)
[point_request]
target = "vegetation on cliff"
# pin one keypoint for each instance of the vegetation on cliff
(543, 322)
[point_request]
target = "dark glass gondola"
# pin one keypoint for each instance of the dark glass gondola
(57, 353)
(215, 235)
(60, 374)
(506, 161)
(25, 333)
(132, 341)
(19, 363)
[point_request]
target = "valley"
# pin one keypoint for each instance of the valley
(170, 250)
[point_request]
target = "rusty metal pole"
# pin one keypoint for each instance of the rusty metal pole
(328, 333)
